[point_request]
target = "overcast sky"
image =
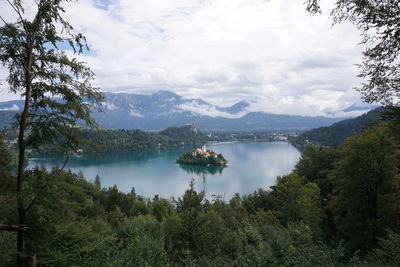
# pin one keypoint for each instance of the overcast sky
(269, 52)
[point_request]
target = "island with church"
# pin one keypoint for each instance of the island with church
(203, 157)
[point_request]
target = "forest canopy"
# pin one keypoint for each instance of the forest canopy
(318, 215)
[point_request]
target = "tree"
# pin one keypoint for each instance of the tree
(297, 201)
(366, 185)
(55, 87)
(97, 181)
(315, 164)
(145, 245)
(379, 24)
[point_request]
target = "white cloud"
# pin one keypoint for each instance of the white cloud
(222, 51)
(135, 114)
(208, 110)
(109, 106)
(12, 108)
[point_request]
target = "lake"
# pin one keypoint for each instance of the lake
(251, 165)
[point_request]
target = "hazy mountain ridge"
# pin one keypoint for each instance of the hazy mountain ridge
(339, 131)
(164, 108)
(166, 103)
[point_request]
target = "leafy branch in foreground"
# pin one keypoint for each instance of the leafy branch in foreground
(56, 88)
(379, 23)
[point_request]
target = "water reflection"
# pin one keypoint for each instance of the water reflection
(202, 170)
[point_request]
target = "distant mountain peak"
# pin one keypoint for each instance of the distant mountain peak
(239, 106)
(165, 93)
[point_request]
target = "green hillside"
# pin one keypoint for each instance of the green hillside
(189, 133)
(6, 118)
(133, 140)
(336, 133)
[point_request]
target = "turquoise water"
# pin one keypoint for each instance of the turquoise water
(251, 165)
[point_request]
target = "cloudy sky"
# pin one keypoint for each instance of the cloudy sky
(270, 52)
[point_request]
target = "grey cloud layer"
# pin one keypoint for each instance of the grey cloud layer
(222, 51)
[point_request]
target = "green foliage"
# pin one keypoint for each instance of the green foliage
(388, 251)
(77, 223)
(77, 244)
(310, 207)
(7, 241)
(7, 166)
(365, 179)
(315, 165)
(296, 201)
(302, 250)
(185, 133)
(97, 181)
(126, 140)
(145, 242)
(259, 200)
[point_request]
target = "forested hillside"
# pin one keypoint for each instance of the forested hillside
(131, 140)
(336, 133)
(6, 118)
(319, 215)
(187, 132)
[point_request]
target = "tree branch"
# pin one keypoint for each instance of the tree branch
(17, 11)
(14, 227)
(3, 20)
(65, 163)
(30, 204)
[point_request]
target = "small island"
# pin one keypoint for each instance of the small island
(203, 157)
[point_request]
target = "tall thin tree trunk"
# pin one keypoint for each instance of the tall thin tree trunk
(21, 159)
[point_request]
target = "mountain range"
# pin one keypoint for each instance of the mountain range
(164, 108)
